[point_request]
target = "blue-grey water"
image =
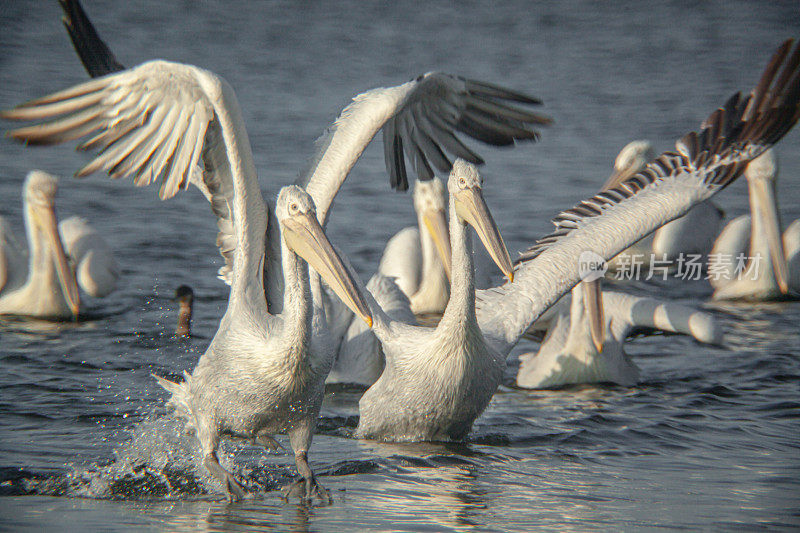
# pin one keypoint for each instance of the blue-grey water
(710, 438)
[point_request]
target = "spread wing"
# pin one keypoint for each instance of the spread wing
(420, 120)
(162, 122)
(703, 164)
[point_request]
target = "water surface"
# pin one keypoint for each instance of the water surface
(707, 440)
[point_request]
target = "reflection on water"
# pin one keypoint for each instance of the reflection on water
(707, 439)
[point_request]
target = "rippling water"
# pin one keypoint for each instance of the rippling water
(707, 440)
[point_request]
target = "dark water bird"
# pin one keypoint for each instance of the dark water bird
(184, 295)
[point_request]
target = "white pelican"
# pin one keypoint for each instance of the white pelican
(95, 268)
(568, 354)
(56, 255)
(691, 234)
(264, 370)
(749, 259)
(184, 295)
(419, 257)
(437, 394)
(437, 381)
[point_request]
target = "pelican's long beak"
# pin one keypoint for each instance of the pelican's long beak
(305, 237)
(593, 300)
(471, 207)
(436, 223)
(69, 285)
(766, 209)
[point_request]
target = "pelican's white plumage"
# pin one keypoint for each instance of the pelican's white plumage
(419, 257)
(568, 354)
(43, 284)
(692, 234)
(750, 260)
(437, 381)
(264, 370)
(95, 268)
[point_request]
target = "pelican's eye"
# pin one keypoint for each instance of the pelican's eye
(293, 208)
(462, 182)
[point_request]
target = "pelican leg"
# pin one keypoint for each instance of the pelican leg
(234, 488)
(307, 486)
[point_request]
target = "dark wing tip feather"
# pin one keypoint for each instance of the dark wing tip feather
(424, 132)
(728, 140)
(97, 58)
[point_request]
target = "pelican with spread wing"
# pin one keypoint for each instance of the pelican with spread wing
(264, 371)
(437, 381)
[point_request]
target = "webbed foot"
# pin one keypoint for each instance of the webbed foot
(235, 490)
(305, 489)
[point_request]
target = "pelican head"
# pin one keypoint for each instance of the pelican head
(305, 237)
(430, 203)
(630, 160)
(39, 197)
(465, 190)
(761, 174)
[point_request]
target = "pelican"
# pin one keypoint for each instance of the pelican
(96, 269)
(437, 393)
(419, 257)
(763, 273)
(184, 295)
(691, 234)
(264, 370)
(60, 258)
(437, 381)
(568, 355)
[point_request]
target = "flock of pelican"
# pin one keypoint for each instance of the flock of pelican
(298, 314)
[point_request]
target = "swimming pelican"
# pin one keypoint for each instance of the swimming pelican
(91, 257)
(434, 393)
(184, 295)
(763, 273)
(49, 288)
(691, 234)
(419, 257)
(568, 354)
(437, 381)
